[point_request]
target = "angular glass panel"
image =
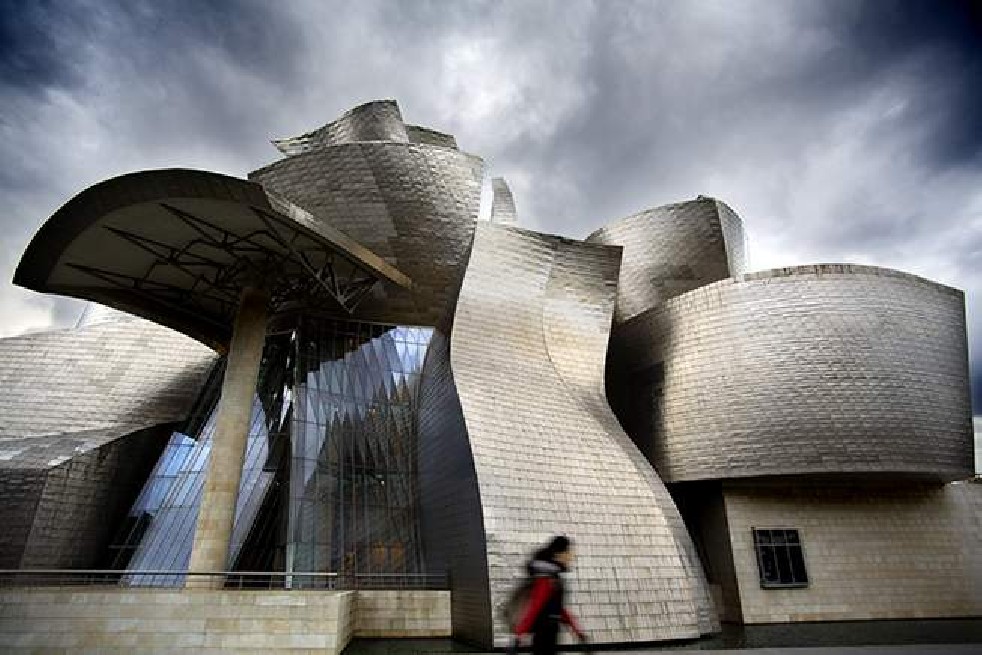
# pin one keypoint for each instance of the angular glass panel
(168, 505)
(359, 483)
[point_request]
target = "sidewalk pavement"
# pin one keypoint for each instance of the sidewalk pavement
(909, 649)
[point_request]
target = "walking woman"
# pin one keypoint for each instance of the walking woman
(546, 608)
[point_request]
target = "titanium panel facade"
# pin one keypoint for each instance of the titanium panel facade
(813, 369)
(85, 498)
(672, 249)
(105, 380)
(527, 353)
(380, 120)
(85, 413)
(502, 203)
(420, 134)
(451, 517)
(413, 204)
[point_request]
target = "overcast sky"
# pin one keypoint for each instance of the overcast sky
(841, 131)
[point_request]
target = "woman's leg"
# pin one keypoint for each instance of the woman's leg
(545, 637)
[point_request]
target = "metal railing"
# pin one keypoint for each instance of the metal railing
(260, 580)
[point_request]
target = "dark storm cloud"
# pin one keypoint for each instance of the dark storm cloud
(949, 31)
(32, 55)
(94, 89)
(839, 130)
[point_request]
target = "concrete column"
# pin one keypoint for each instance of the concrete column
(214, 528)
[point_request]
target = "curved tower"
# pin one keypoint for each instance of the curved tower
(826, 369)
(672, 249)
(412, 202)
(536, 450)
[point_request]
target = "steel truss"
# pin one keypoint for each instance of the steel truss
(295, 267)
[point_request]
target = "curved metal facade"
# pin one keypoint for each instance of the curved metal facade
(177, 246)
(806, 370)
(413, 204)
(527, 352)
(672, 249)
(85, 413)
(380, 120)
(502, 203)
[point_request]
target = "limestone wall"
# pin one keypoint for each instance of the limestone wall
(113, 620)
(402, 613)
(884, 552)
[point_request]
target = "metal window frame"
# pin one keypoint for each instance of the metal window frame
(764, 584)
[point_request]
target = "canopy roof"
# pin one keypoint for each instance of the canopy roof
(176, 246)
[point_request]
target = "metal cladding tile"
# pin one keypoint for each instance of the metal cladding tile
(502, 203)
(413, 204)
(673, 249)
(379, 120)
(528, 345)
(87, 386)
(813, 369)
(82, 411)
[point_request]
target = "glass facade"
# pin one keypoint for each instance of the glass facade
(352, 479)
(328, 482)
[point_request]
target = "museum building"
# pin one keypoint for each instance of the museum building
(337, 374)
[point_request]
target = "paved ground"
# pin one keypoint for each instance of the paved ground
(447, 647)
(917, 649)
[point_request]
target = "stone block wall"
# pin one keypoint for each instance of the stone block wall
(871, 552)
(112, 620)
(55, 621)
(402, 613)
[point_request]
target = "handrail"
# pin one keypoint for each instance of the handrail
(329, 574)
(285, 580)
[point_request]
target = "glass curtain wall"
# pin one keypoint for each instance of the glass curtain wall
(353, 470)
(160, 530)
(329, 480)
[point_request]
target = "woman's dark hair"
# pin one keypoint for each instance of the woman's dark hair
(559, 544)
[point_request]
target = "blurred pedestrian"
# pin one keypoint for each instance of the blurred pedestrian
(545, 608)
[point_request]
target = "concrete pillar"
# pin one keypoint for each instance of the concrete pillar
(214, 528)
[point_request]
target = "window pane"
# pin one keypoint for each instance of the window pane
(798, 565)
(783, 564)
(780, 558)
(768, 565)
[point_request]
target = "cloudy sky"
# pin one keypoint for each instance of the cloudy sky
(841, 131)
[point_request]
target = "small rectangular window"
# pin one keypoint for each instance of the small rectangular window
(779, 558)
